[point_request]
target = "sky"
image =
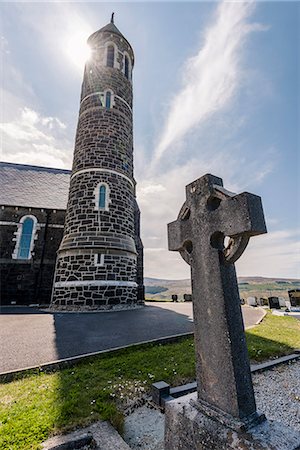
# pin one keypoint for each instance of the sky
(216, 90)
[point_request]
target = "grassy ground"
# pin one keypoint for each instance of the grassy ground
(275, 336)
(39, 404)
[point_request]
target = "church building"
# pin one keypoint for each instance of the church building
(96, 232)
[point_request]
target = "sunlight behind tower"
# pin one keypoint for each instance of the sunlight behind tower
(100, 258)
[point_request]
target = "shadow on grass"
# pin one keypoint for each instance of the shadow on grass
(260, 348)
(105, 387)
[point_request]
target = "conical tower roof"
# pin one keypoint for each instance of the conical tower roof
(109, 28)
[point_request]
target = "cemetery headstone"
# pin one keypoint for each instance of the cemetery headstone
(288, 305)
(175, 298)
(281, 301)
(252, 301)
(187, 297)
(274, 303)
(223, 411)
(264, 301)
(294, 296)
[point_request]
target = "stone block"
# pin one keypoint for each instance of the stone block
(159, 390)
(187, 428)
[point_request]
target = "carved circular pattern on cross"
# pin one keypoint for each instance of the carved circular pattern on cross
(231, 252)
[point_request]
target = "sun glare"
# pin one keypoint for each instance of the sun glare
(76, 48)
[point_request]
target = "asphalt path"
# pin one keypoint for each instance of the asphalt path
(30, 337)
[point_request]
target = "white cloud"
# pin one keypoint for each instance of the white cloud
(34, 139)
(212, 76)
(160, 263)
(276, 254)
(28, 136)
(197, 138)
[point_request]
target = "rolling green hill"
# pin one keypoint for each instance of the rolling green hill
(159, 289)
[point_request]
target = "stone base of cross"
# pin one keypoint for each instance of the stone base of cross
(225, 394)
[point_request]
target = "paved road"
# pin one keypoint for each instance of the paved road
(30, 337)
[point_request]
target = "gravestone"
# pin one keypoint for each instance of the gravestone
(288, 305)
(274, 303)
(251, 301)
(187, 297)
(222, 415)
(242, 300)
(294, 296)
(175, 298)
(263, 301)
(281, 302)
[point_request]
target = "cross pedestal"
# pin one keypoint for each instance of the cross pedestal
(209, 215)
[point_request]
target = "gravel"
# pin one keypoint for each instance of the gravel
(277, 394)
(144, 429)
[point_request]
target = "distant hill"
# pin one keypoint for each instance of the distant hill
(248, 286)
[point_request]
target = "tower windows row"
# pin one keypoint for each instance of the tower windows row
(111, 51)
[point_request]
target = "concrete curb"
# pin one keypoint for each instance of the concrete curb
(74, 360)
(163, 392)
(255, 368)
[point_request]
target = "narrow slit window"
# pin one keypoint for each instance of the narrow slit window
(110, 56)
(26, 239)
(102, 196)
(126, 67)
(108, 99)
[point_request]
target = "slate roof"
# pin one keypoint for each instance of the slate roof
(33, 186)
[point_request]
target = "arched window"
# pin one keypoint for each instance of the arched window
(25, 237)
(108, 99)
(110, 58)
(102, 197)
(126, 67)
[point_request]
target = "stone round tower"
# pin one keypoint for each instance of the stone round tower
(99, 262)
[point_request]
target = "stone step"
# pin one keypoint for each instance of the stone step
(100, 435)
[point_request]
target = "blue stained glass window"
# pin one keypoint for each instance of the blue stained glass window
(102, 196)
(110, 56)
(108, 99)
(26, 237)
(126, 70)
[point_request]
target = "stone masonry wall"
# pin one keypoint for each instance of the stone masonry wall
(81, 214)
(29, 281)
(97, 259)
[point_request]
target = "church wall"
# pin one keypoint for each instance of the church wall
(29, 281)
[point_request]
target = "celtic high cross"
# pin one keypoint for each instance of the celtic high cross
(209, 215)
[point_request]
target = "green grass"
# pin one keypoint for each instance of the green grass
(40, 404)
(275, 336)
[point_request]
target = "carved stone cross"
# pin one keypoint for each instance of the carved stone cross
(210, 214)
